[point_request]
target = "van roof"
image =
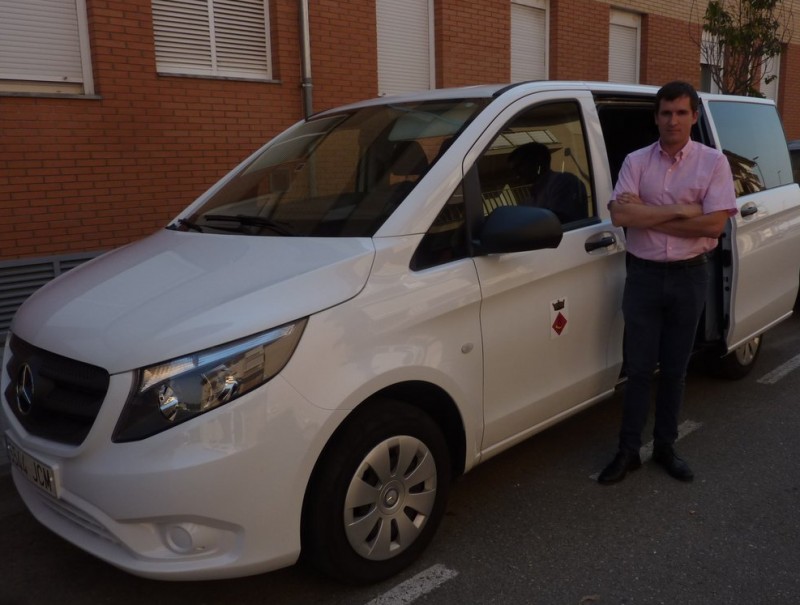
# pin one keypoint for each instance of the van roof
(520, 89)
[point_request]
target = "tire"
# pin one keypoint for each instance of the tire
(739, 362)
(377, 494)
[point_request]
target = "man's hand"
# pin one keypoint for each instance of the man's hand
(629, 210)
(628, 198)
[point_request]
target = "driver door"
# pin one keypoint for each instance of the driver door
(550, 319)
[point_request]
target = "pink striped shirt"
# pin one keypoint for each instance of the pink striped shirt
(698, 175)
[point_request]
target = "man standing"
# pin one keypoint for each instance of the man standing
(674, 197)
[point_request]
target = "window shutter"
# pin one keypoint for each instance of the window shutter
(228, 38)
(405, 46)
(623, 48)
(40, 41)
(528, 42)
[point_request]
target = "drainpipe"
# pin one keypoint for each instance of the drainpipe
(305, 55)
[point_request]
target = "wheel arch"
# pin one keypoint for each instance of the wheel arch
(437, 404)
(426, 398)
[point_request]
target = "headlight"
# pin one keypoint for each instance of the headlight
(175, 391)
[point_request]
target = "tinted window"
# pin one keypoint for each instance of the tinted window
(446, 240)
(540, 159)
(339, 175)
(752, 138)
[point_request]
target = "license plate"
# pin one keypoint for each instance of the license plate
(35, 471)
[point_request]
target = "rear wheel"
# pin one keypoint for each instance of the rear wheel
(739, 362)
(377, 494)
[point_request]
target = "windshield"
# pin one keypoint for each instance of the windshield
(340, 175)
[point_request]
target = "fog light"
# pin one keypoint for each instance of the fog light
(179, 539)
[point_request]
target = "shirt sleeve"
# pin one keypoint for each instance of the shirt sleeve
(628, 179)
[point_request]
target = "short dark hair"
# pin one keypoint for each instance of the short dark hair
(533, 155)
(675, 90)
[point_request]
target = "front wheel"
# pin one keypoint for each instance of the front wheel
(739, 362)
(377, 495)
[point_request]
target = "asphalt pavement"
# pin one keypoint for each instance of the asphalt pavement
(533, 527)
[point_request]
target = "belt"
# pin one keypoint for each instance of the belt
(696, 261)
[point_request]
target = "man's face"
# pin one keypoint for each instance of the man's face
(675, 120)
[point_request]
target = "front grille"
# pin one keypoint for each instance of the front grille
(52, 396)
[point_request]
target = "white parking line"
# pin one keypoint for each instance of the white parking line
(413, 588)
(686, 427)
(781, 371)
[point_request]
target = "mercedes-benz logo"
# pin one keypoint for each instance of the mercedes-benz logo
(25, 390)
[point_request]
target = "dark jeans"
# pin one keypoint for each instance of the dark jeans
(662, 305)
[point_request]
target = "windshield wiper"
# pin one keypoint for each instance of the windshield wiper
(182, 222)
(257, 221)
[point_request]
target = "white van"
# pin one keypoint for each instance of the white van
(361, 311)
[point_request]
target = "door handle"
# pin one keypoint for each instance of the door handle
(749, 209)
(604, 242)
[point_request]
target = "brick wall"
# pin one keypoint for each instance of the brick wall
(682, 62)
(473, 43)
(789, 91)
(343, 55)
(90, 174)
(79, 174)
(579, 40)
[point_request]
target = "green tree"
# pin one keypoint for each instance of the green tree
(741, 40)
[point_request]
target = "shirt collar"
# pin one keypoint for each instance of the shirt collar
(682, 152)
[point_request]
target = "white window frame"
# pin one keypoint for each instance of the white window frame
(771, 67)
(620, 22)
(709, 41)
(187, 46)
(24, 79)
(542, 5)
(391, 47)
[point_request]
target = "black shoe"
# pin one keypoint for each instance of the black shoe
(672, 463)
(623, 462)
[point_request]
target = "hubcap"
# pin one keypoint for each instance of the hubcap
(390, 498)
(746, 353)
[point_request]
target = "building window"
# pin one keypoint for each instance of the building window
(624, 41)
(44, 47)
(217, 38)
(711, 56)
(528, 40)
(770, 71)
(405, 46)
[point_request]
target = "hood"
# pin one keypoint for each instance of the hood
(175, 293)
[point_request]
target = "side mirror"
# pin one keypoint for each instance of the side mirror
(518, 229)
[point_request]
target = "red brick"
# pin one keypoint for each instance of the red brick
(150, 144)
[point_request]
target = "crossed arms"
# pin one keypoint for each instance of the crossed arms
(680, 220)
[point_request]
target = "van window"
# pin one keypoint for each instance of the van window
(339, 175)
(747, 133)
(540, 158)
(446, 240)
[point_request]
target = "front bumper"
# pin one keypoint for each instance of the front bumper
(219, 496)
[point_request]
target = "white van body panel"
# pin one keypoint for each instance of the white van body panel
(175, 293)
(766, 247)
